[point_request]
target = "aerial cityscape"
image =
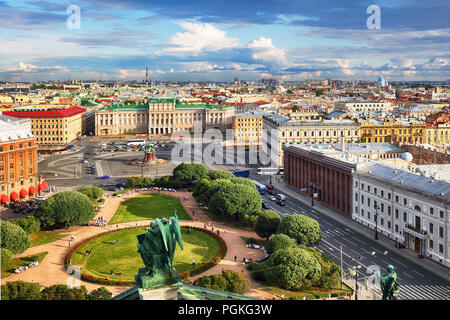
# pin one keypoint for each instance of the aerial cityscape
(225, 151)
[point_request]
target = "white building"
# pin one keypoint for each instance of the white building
(364, 106)
(412, 209)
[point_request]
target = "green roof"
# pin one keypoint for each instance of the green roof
(128, 106)
(162, 100)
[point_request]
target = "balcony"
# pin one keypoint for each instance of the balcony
(416, 232)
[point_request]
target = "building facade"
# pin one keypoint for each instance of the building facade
(364, 106)
(18, 162)
(248, 128)
(279, 131)
(54, 128)
(393, 131)
(160, 116)
(409, 208)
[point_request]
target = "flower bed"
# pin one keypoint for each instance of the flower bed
(183, 275)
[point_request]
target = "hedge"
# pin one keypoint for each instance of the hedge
(183, 275)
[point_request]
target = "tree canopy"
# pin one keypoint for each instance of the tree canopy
(220, 174)
(6, 257)
(13, 237)
(29, 224)
(302, 228)
(279, 241)
(230, 281)
(235, 200)
(292, 269)
(267, 223)
(65, 209)
(187, 173)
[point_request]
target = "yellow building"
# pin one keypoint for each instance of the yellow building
(54, 128)
(393, 131)
(248, 128)
(438, 135)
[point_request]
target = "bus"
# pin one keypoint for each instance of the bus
(241, 173)
(261, 188)
(138, 142)
(270, 171)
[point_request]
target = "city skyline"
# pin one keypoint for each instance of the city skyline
(218, 41)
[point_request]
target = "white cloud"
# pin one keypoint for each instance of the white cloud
(264, 51)
(199, 37)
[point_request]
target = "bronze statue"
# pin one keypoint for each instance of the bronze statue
(157, 249)
(389, 284)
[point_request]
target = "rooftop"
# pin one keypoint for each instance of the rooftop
(426, 186)
(50, 113)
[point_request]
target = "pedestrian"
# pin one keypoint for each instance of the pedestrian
(193, 213)
(212, 228)
(72, 236)
(282, 297)
(117, 226)
(70, 243)
(204, 225)
(193, 264)
(223, 270)
(235, 257)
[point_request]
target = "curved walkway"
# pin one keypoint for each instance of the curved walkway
(51, 270)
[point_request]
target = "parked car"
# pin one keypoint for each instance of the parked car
(281, 203)
(271, 198)
(281, 197)
(104, 177)
(265, 205)
(42, 198)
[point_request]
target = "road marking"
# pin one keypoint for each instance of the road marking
(359, 241)
(407, 275)
(399, 262)
(418, 273)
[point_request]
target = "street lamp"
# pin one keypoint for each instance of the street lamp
(376, 221)
(356, 268)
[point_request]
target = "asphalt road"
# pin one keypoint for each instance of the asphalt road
(415, 281)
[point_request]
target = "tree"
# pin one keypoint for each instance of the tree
(220, 174)
(292, 269)
(134, 182)
(319, 92)
(302, 228)
(330, 271)
(279, 241)
(243, 181)
(236, 282)
(97, 193)
(100, 294)
(13, 237)
(235, 200)
(65, 209)
(62, 292)
(6, 257)
(29, 224)
(205, 189)
(267, 223)
(87, 191)
(19, 290)
(187, 173)
(230, 281)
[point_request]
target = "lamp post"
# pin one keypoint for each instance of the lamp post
(376, 221)
(356, 268)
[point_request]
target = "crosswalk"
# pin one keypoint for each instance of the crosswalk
(424, 292)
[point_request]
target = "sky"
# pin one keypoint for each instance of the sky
(218, 40)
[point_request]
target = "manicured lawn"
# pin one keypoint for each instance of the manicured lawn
(148, 207)
(123, 257)
(43, 237)
(23, 261)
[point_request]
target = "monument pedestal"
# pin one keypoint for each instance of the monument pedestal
(159, 293)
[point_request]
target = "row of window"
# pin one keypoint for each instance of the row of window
(311, 133)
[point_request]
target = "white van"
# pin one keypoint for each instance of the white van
(281, 197)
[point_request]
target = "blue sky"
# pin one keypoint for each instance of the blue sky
(219, 40)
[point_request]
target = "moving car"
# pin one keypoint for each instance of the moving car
(271, 197)
(265, 205)
(280, 203)
(104, 177)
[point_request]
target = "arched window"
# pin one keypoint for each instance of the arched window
(416, 207)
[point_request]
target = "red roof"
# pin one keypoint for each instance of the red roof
(51, 113)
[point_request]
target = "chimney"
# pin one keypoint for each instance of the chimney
(342, 143)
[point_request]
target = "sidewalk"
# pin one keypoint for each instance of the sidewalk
(389, 244)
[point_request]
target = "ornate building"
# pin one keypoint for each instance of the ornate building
(393, 131)
(160, 116)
